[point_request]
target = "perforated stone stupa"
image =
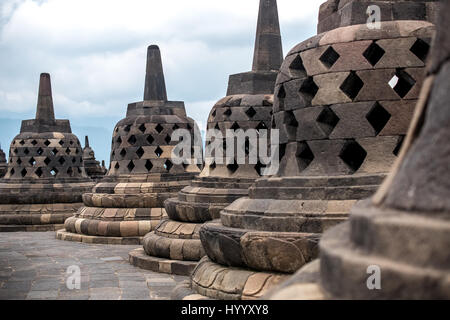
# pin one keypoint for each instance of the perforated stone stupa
(175, 245)
(129, 201)
(3, 163)
(45, 178)
(91, 165)
(401, 235)
(343, 102)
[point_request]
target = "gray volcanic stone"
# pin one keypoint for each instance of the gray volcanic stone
(248, 105)
(340, 133)
(3, 163)
(45, 178)
(129, 201)
(404, 229)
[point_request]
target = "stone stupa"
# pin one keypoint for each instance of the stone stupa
(129, 201)
(3, 163)
(402, 234)
(343, 102)
(175, 247)
(91, 165)
(45, 179)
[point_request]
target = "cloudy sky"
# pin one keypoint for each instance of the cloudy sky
(95, 51)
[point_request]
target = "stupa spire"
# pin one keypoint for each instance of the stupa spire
(45, 109)
(268, 53)
(155, 86)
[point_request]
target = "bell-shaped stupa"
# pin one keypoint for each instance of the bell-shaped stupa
(343, 102)
(395, 245)
(129, 201)
(93, 168)
(45, 179)
(175, 247)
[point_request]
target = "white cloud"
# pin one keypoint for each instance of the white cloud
(95, 50)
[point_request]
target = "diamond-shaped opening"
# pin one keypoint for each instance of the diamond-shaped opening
(150, 139)
(327, 120)
(23, 172)
(235, 126)
(32, 161)
(232, 167)
(168, 139)
(297, 67)
(353, 155)
(123, 153)
(34, 142)
(71, 142)
(47, 143)
(305, 155)
(119, 140)
(79, 170)
(289, 119)
(158, 152)
(140, 152)
(378, 117)
(38, 172)
(19, 161)
(228, 112)
(148, 165)
(142, 128)
(21, 142)
(352, 85)
(159, 128)
(212, 166)
(40, 151)
(131, 166)
(54, 151)
(16, 151)
(258, 167)
(175, 127)
(70, 171)
(74, 159)
(399, 145)
(77, 151)
(54, 172)
(127, 128)
(251, 112)
(61, 160)
(61, 143)
(261, 126)
(68, 150)
(213, 113)
(402, 83)
(421, 49)
(329, 57)
(117, 166)
(309, 88)
(116, 130)
(47, 161)
(168, 165)
(217, 127)
(26, 151)
(132, 140)
(374, 53)
(12, 171)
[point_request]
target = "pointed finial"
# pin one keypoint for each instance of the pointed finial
(86, 142)
(45, 101)
(268, 53)
(155, 86)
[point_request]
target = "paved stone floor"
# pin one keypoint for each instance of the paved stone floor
(34, 265)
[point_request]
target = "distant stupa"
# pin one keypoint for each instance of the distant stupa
(45, 177)
(91, 165)
(3, 163)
